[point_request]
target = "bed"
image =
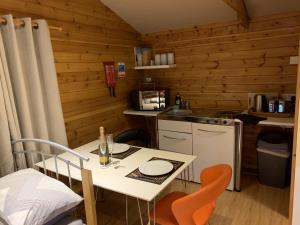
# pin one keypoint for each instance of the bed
(31, 197)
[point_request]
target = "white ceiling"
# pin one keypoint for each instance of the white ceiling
(157, 15)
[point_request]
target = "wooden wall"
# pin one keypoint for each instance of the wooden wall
(218, 64)
(91, 34)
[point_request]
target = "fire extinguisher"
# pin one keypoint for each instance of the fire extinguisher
(109, 69)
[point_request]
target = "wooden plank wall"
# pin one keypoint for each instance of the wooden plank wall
(218, 64)
(91, 34)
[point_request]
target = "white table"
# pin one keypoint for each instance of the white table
(115, 179)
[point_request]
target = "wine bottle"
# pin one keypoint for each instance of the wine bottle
(103, 148)
(177, 101)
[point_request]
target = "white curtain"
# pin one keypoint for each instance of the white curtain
(29, 91)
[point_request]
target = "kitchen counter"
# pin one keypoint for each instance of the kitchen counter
(286, 122)
(164, 116)
(277, 121)
(204, 117)
(142, 113)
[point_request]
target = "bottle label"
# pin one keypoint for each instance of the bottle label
(103, 154)
(103, 148)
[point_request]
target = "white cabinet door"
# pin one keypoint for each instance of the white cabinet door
(213, 144)
(176, 142)
(177, 126)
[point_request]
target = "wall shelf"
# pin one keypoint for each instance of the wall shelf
(154, 67)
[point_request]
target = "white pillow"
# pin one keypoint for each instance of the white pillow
(28, 197)
(3, 219)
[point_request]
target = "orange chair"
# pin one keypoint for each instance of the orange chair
(179, 208)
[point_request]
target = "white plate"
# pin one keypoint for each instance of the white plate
(156, 167)
(120, 148)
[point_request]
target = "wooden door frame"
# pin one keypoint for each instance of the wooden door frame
(295, 140)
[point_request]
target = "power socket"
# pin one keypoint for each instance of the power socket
(294, 60)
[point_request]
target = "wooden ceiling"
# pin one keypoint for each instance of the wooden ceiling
(157, 15)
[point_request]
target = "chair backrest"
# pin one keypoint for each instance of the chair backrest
(193, 207)
(133, 135)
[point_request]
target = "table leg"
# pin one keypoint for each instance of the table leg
(101, 192)
(96, 194)
(102, 195)
(126, 206)
(181, 177)
(149, 219)
(184, 175)
(148, 208)
(140, 212)
(154, 211)
(187, 177)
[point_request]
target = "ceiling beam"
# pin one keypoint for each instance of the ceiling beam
(240, 7)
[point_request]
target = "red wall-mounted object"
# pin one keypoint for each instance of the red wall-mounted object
(109, 69)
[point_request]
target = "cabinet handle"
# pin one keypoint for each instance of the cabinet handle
(174, 138)
(213, 131)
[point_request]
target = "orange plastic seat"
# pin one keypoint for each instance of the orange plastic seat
(163, 207)
(179, 208)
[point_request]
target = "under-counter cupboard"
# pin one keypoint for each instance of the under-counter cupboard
(212, 144)
(176, 136)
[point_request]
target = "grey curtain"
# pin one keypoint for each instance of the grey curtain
(29, 91)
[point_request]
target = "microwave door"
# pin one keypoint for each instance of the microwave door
(154, 100)
(150, 94)
(146, 101)
(153, 106)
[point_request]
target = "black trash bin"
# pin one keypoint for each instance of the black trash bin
(273, 162)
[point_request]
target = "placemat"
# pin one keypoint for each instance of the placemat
(136, 174)
(122, 155)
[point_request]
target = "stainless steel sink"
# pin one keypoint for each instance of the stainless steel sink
(183, 115)
(179, 112)
(187, 115)
(196, 119)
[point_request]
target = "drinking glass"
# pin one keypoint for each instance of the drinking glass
(110, 144)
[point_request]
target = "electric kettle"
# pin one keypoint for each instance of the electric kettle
(261, 103)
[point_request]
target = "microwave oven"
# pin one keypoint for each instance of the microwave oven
(149, 100)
